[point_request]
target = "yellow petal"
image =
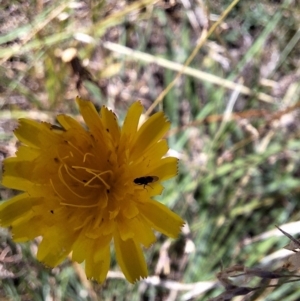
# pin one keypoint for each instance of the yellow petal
(130, 258)
(125, 231)
(80, 247)
(130, 210)
(165, 169)
(22, 174)
(97, 269)
(55, 246)
(157, 189)
(142, 232)
(158, 150)
(110, 124)
(68, 122)
(27, 228)
(132, 118)
(153, 155)
(161, 218)
(89, 113)
(26, 153)
(149, 133)
(16, 174)
(36, 134)
(16, 208)
(92, 119)
(102, 244)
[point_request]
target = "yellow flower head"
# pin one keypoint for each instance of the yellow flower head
(84, 188)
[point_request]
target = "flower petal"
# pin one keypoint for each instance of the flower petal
(142, 232)
(97, 265)
(80, 247)
(27, 228)
(161, 218)
(55, 246)
(92, 119)
(110, 123)
(165, 169)
(125, 231)
(36, 134)
(153, 155)
(130, 258)
(130, 210)
(15, 208)
(68, 122)
(26, 153)
(149, 133)
(158, 150)
(15, 174)
(132, 118)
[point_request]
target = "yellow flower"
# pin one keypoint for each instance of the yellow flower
(85, 188)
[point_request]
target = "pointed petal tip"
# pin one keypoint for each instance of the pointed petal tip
(81, 101)
(137, 279)
(78, 97)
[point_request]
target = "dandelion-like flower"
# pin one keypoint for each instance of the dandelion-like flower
(84, 188)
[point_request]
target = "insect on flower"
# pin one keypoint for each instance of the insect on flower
(82, 203)
(145, 180)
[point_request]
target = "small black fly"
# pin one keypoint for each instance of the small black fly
(145, 180)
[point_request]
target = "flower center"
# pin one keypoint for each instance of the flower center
(82, 180)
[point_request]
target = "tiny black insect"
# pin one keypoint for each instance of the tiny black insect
(145, 180)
